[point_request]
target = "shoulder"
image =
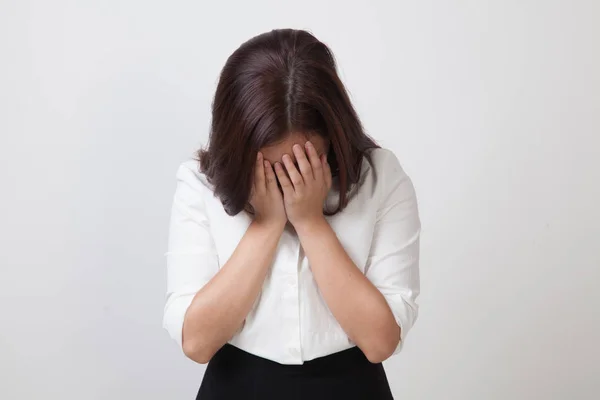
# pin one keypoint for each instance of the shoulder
(384, 159)
(189, 175)
(390, 178)
(386, 164)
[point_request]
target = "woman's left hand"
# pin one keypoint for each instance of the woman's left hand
(304, 191)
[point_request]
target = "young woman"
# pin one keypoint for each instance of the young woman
(294, 239)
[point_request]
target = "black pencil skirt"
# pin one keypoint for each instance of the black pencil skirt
(235, 374)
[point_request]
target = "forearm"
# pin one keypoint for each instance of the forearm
(356, 303)
(220, 307)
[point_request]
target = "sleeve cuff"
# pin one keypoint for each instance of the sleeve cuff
(405, 314)
(175, 310)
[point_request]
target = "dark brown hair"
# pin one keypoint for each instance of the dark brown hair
(277, 83)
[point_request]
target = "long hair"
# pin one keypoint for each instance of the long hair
(277, 83)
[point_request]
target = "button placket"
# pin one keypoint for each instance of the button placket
(290, 301)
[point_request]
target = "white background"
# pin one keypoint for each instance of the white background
(492, 106)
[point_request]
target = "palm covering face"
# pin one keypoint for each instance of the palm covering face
(288, 192)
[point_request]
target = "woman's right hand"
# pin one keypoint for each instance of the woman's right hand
(266, 198)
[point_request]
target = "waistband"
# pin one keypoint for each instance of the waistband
(341, 361)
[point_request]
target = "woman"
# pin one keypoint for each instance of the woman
(294, 239)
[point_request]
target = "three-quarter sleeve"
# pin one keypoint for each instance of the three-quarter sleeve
(393, 263)
(191, 256)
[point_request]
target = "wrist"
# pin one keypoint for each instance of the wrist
(270, 226)
(308, 226)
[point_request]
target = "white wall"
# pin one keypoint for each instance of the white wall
(493, 107)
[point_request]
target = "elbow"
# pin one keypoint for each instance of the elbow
(198, 353)
(383, 347)
(378, 354)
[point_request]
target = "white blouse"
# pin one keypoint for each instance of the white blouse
(290, 322)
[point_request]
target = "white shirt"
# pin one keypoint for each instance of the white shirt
(290, 322)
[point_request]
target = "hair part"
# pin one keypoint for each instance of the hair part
(276, 83)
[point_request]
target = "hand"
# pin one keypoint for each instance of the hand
(304, 191)
(266, 197)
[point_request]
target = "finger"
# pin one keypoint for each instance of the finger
(271, 180)
(284, 181)
(295, 176)
(259, 173)
(315, 162)
(303, 164)
(326, 171)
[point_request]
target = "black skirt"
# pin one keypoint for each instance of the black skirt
(235, 374)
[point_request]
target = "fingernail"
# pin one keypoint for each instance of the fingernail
(259, 155)
(267, 164)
